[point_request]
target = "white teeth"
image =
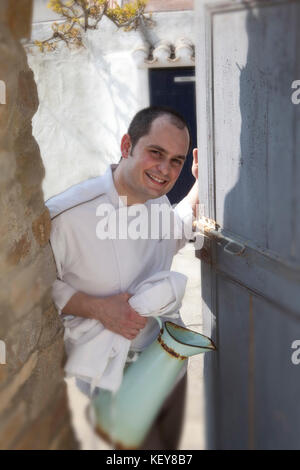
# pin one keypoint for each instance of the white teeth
(156, 179)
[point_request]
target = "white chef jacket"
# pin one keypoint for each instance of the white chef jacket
(105, 267)
(98, 355)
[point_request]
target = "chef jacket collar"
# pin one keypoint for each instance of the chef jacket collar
(87, 191)
(110, 189)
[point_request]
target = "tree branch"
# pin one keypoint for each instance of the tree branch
(128, 17)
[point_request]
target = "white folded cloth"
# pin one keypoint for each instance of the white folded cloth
(97, 355)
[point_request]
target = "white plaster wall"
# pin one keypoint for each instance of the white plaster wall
(88, 96)
(41, 12)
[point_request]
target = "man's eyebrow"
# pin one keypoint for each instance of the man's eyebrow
(161, 149)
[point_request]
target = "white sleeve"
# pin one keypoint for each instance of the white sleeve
(61, 291)
(184, 217)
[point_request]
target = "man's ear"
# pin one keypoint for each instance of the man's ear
(126, 146)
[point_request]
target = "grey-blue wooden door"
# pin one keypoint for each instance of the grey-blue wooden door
(249, 155)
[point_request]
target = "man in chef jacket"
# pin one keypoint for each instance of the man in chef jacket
(153, 154)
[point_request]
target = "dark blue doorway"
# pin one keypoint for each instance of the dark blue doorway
(175, 87)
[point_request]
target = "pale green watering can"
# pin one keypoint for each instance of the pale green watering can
(124, 418)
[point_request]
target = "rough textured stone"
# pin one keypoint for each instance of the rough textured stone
(27, 101)
(10, 390)
(47, 376)
(51, 327)
(8, 168)
(13, 226)
(31, 284)
(30, 169)
(41, 228)
(46, 426)
(20, 249)
(3, 373)
(12, 426)
(22, 339)
(10, 59)
(18, 21)
(64, 440)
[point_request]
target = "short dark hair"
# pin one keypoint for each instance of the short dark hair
(142, 121)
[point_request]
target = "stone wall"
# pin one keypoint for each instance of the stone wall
(33, 403)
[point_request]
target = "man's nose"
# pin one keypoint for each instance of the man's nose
(164, 167)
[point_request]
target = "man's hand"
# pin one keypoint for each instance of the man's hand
(195, 163)
(192, 198)
(113, 312)
(118, 316)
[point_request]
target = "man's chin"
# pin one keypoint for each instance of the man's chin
(156, 193)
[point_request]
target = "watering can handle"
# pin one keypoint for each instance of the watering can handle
(159, 322)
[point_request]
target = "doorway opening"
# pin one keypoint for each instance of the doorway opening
(175, 87)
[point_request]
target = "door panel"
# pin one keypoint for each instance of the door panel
(263, 274)
(253, 64)
(257, 378)
(249, 183)
(233, 322)
(276, 379)
(295, 248)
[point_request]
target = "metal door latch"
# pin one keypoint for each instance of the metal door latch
(210, 229)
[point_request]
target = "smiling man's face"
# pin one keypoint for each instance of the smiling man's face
(151, 169)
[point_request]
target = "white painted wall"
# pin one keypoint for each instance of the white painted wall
(88, 96)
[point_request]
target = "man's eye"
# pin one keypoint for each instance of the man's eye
(155, 152)
(178, 162)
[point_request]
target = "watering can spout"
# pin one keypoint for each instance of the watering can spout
(206, 345)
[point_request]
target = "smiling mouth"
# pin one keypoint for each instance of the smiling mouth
(155, 179)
